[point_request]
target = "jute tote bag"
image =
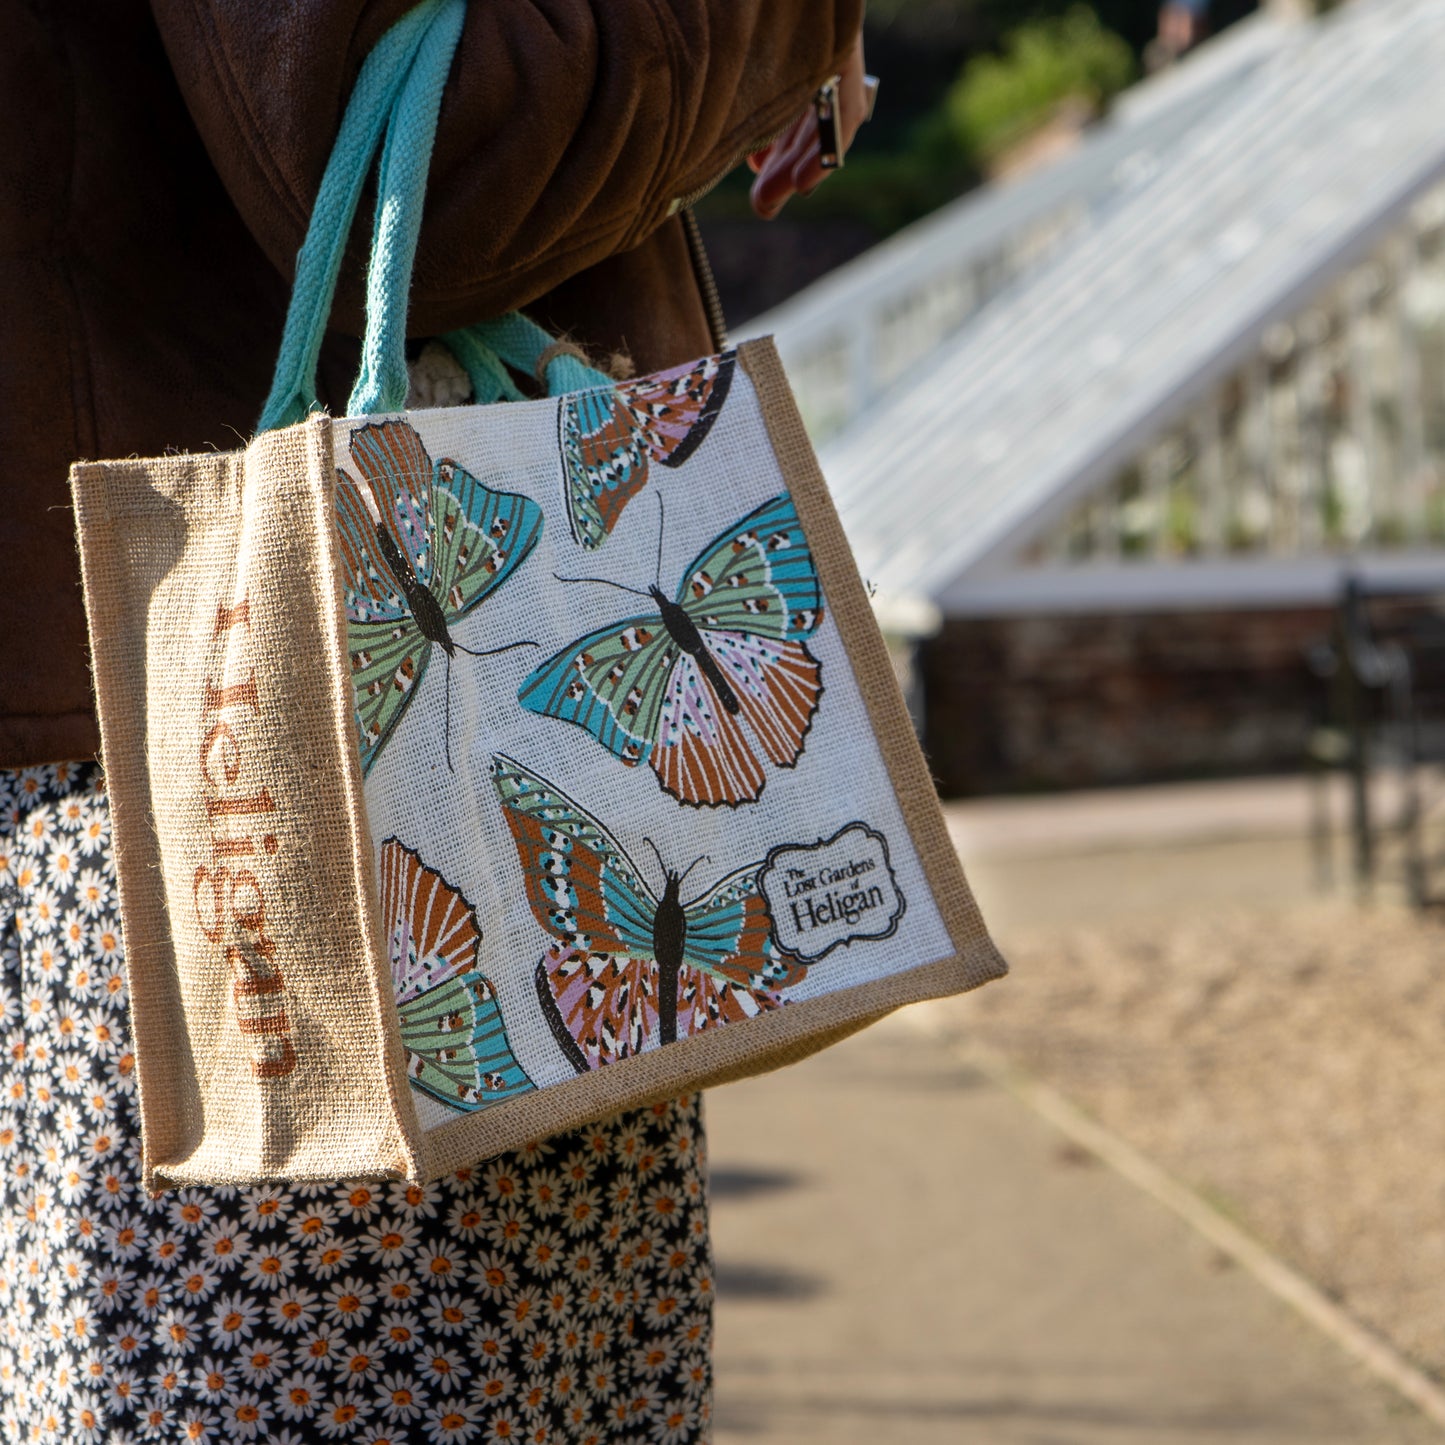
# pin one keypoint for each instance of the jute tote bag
(479, 771)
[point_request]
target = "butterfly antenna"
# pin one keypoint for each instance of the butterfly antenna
(704, 858)
(493, 651)
(656, 854)
(605, 582)
(661, 528)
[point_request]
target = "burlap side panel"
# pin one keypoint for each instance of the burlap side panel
(131, 535)
(784, 1035)
(261, 1051)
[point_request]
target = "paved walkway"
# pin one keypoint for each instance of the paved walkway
(1121, 817)
(906, 1253)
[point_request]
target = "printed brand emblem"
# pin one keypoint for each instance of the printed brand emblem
(837, 891)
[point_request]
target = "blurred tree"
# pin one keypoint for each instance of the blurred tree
(1000, 99)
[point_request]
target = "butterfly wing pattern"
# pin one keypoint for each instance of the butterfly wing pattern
(754, 597)
(457, 1048)
(601, 981)
(596, 981)
(676, 688)
(610, 438)
(731, 967)
(388, 652)
(412, 524)
(611, 682)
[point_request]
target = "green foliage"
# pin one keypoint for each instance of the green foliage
(999, 99)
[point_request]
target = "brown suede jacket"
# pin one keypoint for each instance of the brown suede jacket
(157, 175)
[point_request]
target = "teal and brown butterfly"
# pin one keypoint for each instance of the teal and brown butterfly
(631, 967)
(612, 436)
(457, 1049)
(422, 544)
(716, 679)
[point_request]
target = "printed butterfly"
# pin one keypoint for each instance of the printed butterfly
(611, 436)
(422, 544)
(631, 970)
(456, 1047)
(670, 689)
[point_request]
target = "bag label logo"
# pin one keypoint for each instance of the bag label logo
(834, 892)
(230, 903)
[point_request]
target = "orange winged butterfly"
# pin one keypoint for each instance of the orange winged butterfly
(673, 688)
(422, 544)
(631, 967)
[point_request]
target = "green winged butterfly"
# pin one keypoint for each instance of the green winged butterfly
(712, 680)
(422, 543)
(457, 1048)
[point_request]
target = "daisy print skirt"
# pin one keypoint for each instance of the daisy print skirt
(559, 1294)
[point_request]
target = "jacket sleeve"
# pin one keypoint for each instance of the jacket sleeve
(570, 129)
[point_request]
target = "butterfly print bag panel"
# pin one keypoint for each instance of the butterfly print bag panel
(479, 771)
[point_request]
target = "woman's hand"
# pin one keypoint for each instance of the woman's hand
(791, 165)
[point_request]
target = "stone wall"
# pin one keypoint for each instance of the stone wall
(1014, 704)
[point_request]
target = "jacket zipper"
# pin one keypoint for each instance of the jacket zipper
(707, 283)
(702, 267)
(689, 199)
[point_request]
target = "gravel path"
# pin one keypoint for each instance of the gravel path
(1289, 1063)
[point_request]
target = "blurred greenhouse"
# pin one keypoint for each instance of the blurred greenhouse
(1109, 439)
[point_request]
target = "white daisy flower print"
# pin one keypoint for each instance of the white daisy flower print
(294, 1309)
(298, 1396)
(93, 893)
(263, 1361)
(402, 1399)
(92, 830)
(61, 866)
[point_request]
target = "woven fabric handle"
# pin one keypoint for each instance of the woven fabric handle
(318, 263)
(397, 95)
(400, 193)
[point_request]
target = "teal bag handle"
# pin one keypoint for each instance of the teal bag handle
(519, 343)
(400, 192)
(398, 93)
(318, 263)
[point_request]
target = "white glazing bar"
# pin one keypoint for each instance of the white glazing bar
(1258, 472)
(1309, 418)
(1284, 457)
(1379, 489)
(1413, 478)
(1109, 526)
(1055, 546)
(1213, 500)
(1156, 491)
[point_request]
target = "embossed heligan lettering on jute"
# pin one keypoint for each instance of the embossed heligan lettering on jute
(228, 892)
